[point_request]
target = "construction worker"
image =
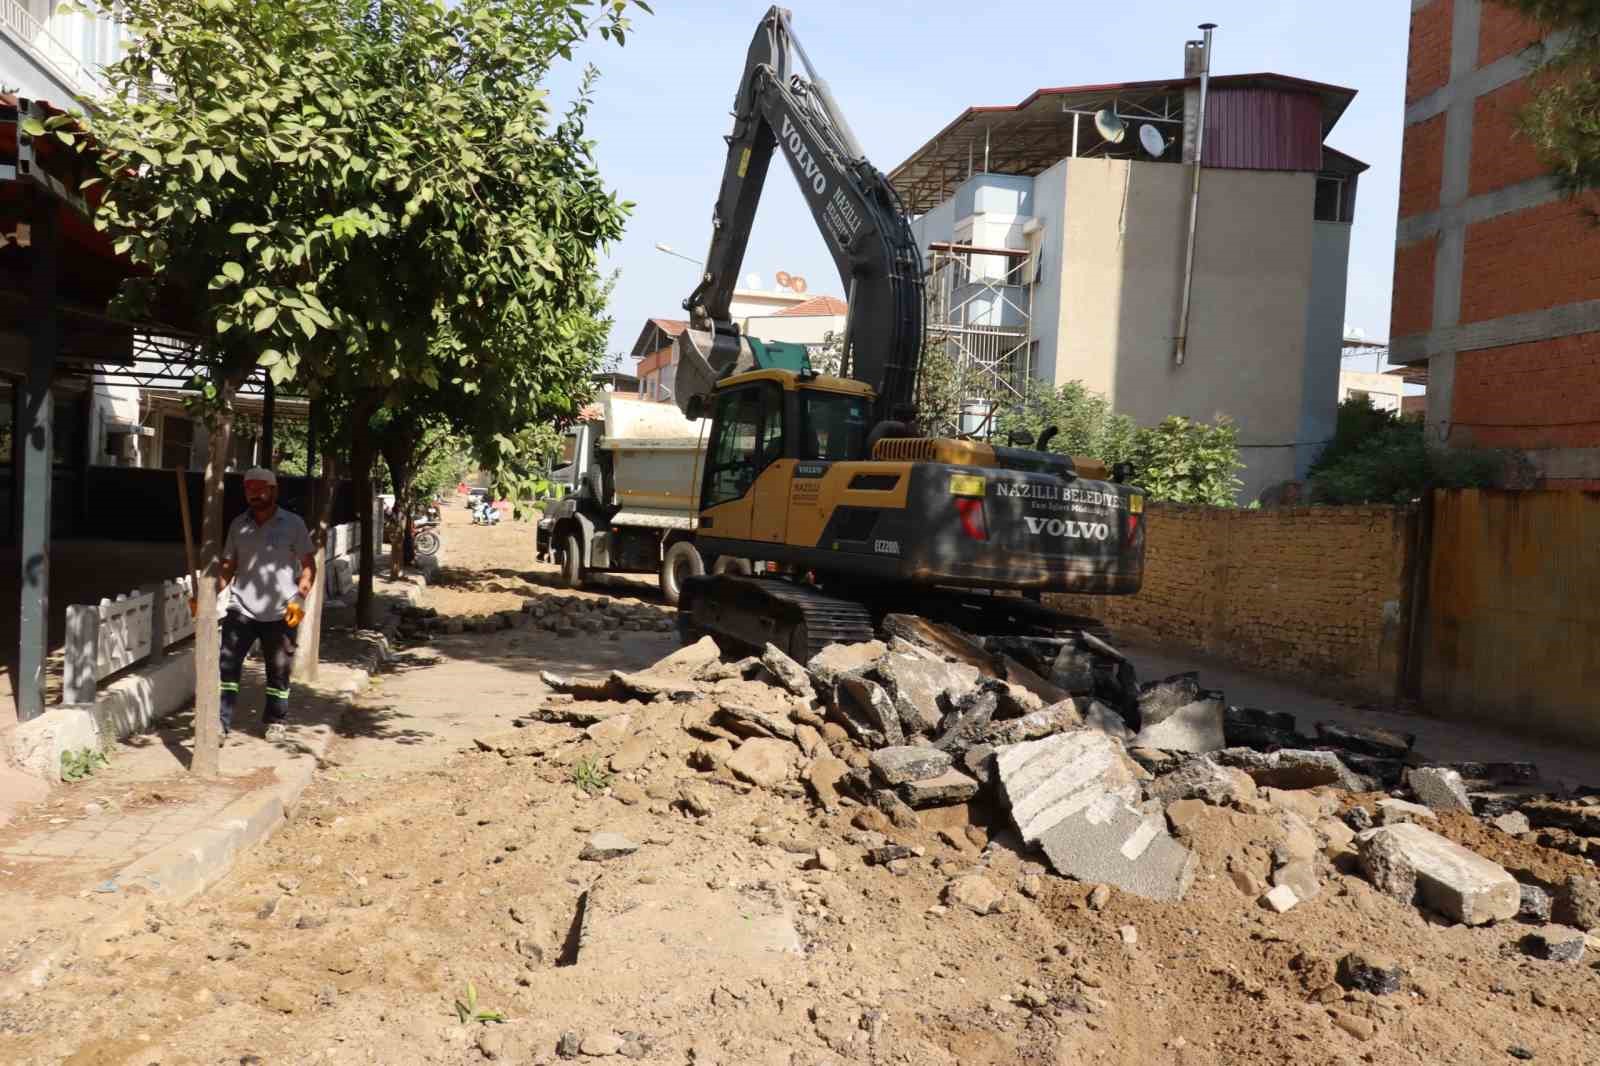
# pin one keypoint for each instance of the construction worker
(269, 564)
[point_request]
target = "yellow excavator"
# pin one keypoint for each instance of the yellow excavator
(825, 477)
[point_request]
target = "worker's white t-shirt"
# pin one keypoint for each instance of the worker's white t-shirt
(267, 559)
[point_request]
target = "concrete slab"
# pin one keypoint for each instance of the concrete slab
(1116, 844)
(1458, 883)
(905, 763)
(1044, 781)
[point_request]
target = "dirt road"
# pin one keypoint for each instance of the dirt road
(430, 902)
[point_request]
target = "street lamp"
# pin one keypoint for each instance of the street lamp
(666, 248)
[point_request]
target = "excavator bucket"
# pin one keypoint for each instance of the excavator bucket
(701, 364)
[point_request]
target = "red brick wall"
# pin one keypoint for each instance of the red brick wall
(1314, 593)
(1412, 309)
(1421, 163)
(1529, 260)
(1501, 155)
(1502, 31)
(1428, 64)
(1534, 395)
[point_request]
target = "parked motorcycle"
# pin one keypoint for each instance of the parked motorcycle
(485, 514)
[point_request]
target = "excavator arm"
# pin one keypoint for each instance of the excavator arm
(856, 209)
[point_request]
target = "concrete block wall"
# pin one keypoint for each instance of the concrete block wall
(1315, 594)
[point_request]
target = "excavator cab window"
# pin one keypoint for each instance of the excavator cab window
(833, 425)
(746, 435)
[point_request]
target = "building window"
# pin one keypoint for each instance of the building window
(177, 442)
(1330, 202)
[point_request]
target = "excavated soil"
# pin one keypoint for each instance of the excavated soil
(398, 886)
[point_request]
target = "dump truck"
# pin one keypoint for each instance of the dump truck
(631, 490)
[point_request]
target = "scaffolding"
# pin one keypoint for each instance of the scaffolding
(979, 319)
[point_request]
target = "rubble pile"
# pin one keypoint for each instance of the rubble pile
(565, 616)
(1107, 780)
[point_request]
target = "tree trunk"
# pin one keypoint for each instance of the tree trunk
(207, 634)
(361, 458)
(308, 652)
(399, 453)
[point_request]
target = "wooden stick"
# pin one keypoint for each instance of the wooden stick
(188, 535)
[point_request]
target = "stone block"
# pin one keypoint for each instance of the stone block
(788, 673)
(921, 685)
(1098, 716)
(905, 763)
(1072, 670)
(867, 710)
(828, 664)
(1393, 811)
(1160, 699)
(1446, 877)
(964, 725)
(1439, 789)
(1195, 727)
(1294, 768)
(1555, 943)
(1578, 903)
(952, 786)
(1536, 904)
(1048, 721)
(1514, 823)
(1367, 740)
(1252, 727)
(37, 744)
(1280, 899)
(1367, 971)
(764, 762)
(1202, 779)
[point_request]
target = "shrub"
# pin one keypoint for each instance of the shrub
(1380, 457)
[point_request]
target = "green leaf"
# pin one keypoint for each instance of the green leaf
(33, 127)
(269, 357)
(233, 271)
(265, 318)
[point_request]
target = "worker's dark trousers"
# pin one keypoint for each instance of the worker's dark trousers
(277, 648)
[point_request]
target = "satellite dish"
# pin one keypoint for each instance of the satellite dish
(784, 279)
(1152, 140)
(797, 283)
(1111, 127)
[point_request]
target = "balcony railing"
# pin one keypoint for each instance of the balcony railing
(57, 57)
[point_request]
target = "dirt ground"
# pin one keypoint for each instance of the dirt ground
(428, 903)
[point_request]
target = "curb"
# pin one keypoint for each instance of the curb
(201, 858)
(195, 862)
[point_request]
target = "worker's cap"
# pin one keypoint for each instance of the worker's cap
(262, 474)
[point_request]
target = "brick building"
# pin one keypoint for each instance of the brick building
(1497, 275)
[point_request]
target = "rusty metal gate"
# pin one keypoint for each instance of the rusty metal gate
(1508, 627)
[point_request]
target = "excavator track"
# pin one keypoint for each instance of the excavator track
(750, 612)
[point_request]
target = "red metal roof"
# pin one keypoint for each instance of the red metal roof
(1263, 129)
(817, 305)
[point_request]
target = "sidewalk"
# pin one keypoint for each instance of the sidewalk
(82, 866)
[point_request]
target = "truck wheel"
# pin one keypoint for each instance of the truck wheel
(571, 562)
(681, 561)
(732, 564)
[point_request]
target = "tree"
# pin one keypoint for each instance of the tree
(1381, 457)
(1084, 421)
(1178, 460)
(1563, 118)
(363, 195)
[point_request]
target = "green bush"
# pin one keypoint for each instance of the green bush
(1178, 460)
(1380, 457)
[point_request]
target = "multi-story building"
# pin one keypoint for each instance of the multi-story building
(1060, 253)
(52, 51)
(1497, 275)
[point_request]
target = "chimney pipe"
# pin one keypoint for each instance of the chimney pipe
(1180, 350)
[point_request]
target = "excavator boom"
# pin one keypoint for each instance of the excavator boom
(855, 208)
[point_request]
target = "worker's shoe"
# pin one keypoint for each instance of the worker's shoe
(277, 732)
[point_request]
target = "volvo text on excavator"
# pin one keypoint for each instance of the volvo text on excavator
(827, 476)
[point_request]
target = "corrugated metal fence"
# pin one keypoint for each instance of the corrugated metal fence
(1509, 626)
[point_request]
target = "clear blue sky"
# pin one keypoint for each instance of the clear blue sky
(901, 71)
